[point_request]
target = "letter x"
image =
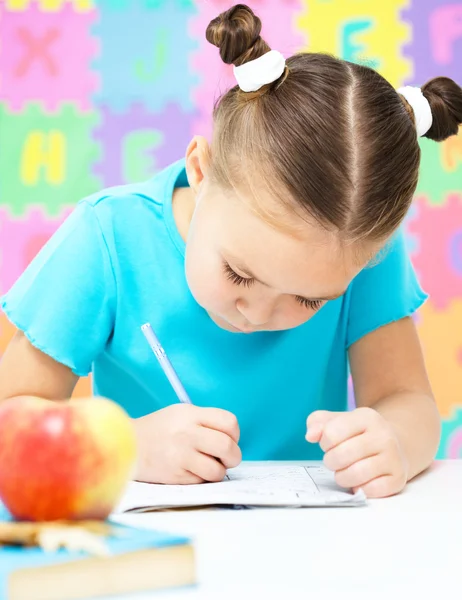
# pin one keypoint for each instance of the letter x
(37, 49)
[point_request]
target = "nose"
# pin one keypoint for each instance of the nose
(256, 312)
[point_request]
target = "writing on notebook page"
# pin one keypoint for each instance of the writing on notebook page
(272, 480)
(250, 485)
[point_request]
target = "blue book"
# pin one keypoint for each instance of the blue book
(140, 560)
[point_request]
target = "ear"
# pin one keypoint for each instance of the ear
(197, 161)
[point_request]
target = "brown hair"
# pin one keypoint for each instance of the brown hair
(333, 135)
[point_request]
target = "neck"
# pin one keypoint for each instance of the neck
(183, 204)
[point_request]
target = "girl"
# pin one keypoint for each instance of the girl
(268, 264)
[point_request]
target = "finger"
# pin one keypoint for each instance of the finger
(218, 445)
(383, 486)
(362, 472)
(187, 478)
(314, 433)
(321, 417)
(344, 426)
(171, 477)
(205, 467)
(351, 451)
(220, 420)
(315, 424)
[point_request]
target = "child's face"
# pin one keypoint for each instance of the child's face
(251, 276)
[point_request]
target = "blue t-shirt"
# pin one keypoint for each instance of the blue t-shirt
(118, 262)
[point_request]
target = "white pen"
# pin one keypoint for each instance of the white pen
(165, 363)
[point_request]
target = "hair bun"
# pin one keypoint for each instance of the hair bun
(445, 99)
(236, 32)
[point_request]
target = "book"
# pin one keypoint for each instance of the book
(138, 560)
(249, 485)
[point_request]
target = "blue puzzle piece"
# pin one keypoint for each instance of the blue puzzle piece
(144, 57)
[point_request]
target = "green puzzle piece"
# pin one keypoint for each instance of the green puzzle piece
(435, 182)
(137, 152)
(46, 159)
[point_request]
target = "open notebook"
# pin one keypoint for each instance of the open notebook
(246, 485)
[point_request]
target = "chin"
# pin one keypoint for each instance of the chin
(224, 324)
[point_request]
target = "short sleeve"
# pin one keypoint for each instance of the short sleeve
(64, 302)
(383, 293)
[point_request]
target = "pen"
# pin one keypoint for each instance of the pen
(165, 363)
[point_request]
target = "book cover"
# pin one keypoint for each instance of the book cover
(137, 560)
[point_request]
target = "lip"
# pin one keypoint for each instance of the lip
(235, 329)
(242, 330)
(247, 330)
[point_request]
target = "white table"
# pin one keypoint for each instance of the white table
(407, 546)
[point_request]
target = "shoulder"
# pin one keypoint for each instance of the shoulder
(135, 205)
(391, 264)
(385, 291)
(122, 198)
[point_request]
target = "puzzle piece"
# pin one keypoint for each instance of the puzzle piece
(451, 155)
(49, 158)
(439, 261)
(351, 402)
(442, 343)
(83, 389)
(147, 63)
(440, 168)
(138, 143)
(22, 239)
(146, 4)
(216, 77)
(451, 434)
(411, 237)
(436, 45)
(48, 5)
(46, 57)
(372, 33)
(7, 331)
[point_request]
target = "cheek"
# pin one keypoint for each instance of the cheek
(204, 274)
(290, 314)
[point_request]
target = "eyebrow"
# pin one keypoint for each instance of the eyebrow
(249, 273)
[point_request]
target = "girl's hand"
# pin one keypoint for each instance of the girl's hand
(186, 444)
(362, 448)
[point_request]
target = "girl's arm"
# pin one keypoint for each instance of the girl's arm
(389, 376)
(178, 444)
(26, 371)
(394, 433)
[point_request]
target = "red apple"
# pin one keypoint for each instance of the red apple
(64, 460)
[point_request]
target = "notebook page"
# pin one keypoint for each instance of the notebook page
(258, 485)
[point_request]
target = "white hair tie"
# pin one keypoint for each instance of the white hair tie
(253, 75)
(420, 106)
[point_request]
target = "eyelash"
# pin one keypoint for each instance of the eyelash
(311, 304)
(237, 279)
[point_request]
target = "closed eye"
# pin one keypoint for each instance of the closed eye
(235, 278)
(311, 304)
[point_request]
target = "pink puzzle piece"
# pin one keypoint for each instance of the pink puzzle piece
(455, 444)
(47, 56)
(439, 259)
(445, 30)
(21, 239)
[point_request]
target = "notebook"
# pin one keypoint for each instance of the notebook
(139, 560)
(247, 485)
